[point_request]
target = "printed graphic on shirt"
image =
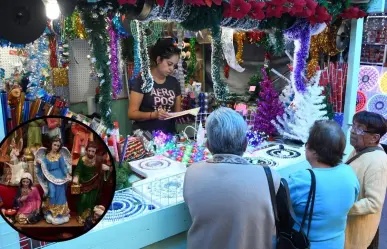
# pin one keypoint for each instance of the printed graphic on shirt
(163, 98)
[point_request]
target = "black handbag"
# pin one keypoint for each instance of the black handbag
(285, 218)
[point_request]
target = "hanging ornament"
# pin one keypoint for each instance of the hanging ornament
(378, 104)
(78, 26)
(229, 51)
(368, 78)
(361, 101)
(383, 83)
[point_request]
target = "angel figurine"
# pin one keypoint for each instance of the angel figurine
(53, 169)
(17, 167)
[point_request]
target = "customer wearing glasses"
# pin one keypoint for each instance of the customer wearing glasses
(336, 189)
(369, 161)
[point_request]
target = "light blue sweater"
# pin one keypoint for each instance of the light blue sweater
(337, 189)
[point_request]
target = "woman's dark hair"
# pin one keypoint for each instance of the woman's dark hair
(92, 144)
(164, 48)
(374, 123)
(53, 140)
(327, 139)
(21, 184)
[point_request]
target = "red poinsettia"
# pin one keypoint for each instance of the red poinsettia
(353, 12)
(160, 2)
(239, 8)
(275, 8)
(293, 7)
(122, 2)
(256, 11)
(321, 15)
(308, 9)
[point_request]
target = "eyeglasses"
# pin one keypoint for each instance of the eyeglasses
(358, 131)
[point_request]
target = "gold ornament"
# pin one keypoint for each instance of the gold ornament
(239, 37)
(60, 77)
(383, 83)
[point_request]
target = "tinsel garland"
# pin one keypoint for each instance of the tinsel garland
(173, 10)
(114, 60)
(243, 24)
(325, 42)
(229, 51)
(220, 87)
(53, 56)
(69, 31)
(203, 18)
(118, 27)
(36, 66)
(180, 69)
(256, 138)
(6, 43)
(136, 54)
(144, 59)
(240, 38)
(300, 33)
(96, 29)
(78, 25)
(192, 62)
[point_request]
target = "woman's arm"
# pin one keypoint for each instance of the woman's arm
(178, 104)
(134, 112)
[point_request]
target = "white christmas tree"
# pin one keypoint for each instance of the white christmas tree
(287, 94)
(304, 111)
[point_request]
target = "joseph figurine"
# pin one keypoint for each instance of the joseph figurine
(90, 174)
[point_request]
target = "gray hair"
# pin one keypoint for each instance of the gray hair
(226, 132)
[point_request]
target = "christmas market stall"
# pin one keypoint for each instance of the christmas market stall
(282, 64)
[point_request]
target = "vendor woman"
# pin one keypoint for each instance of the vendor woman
(149, 110)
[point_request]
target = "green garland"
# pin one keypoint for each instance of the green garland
(192, 63)
(220, 87)
(203, 18)
(95, 24)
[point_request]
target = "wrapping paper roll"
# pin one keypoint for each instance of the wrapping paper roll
(91, 105)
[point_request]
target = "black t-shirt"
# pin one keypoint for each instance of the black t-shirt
(162, 95)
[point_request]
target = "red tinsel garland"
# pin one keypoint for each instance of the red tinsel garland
(53, 56)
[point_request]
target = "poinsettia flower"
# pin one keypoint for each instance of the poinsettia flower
(353, 12)
(160, 2)
(308, 9)
(122, 2)
(321, 15)
(256, 11)
(275, 8)
(239, 8)
(294, 6)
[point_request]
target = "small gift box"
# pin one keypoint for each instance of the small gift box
(75, 189)
(60, 77)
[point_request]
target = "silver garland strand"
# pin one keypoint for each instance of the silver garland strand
(144, 59)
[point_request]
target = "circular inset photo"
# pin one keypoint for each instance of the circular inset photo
(57, 178)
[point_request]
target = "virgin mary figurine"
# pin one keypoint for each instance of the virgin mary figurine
(53, 170)
(27, 201)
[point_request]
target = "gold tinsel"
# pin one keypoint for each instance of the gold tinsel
(239, 37)
(78, 26)
(60, 77)
(324, 42)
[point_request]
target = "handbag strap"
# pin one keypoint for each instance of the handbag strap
(310, 202)
(362, 152)
(272, 196)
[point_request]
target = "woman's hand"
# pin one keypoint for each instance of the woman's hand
(161, 114)
(23, 198)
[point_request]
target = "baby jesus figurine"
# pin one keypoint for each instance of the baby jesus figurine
(93, 219)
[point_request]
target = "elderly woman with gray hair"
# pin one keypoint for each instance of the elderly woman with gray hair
(228, 198)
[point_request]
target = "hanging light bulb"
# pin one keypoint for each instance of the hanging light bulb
(52, 9)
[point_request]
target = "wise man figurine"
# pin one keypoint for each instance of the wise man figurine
(89, 175)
